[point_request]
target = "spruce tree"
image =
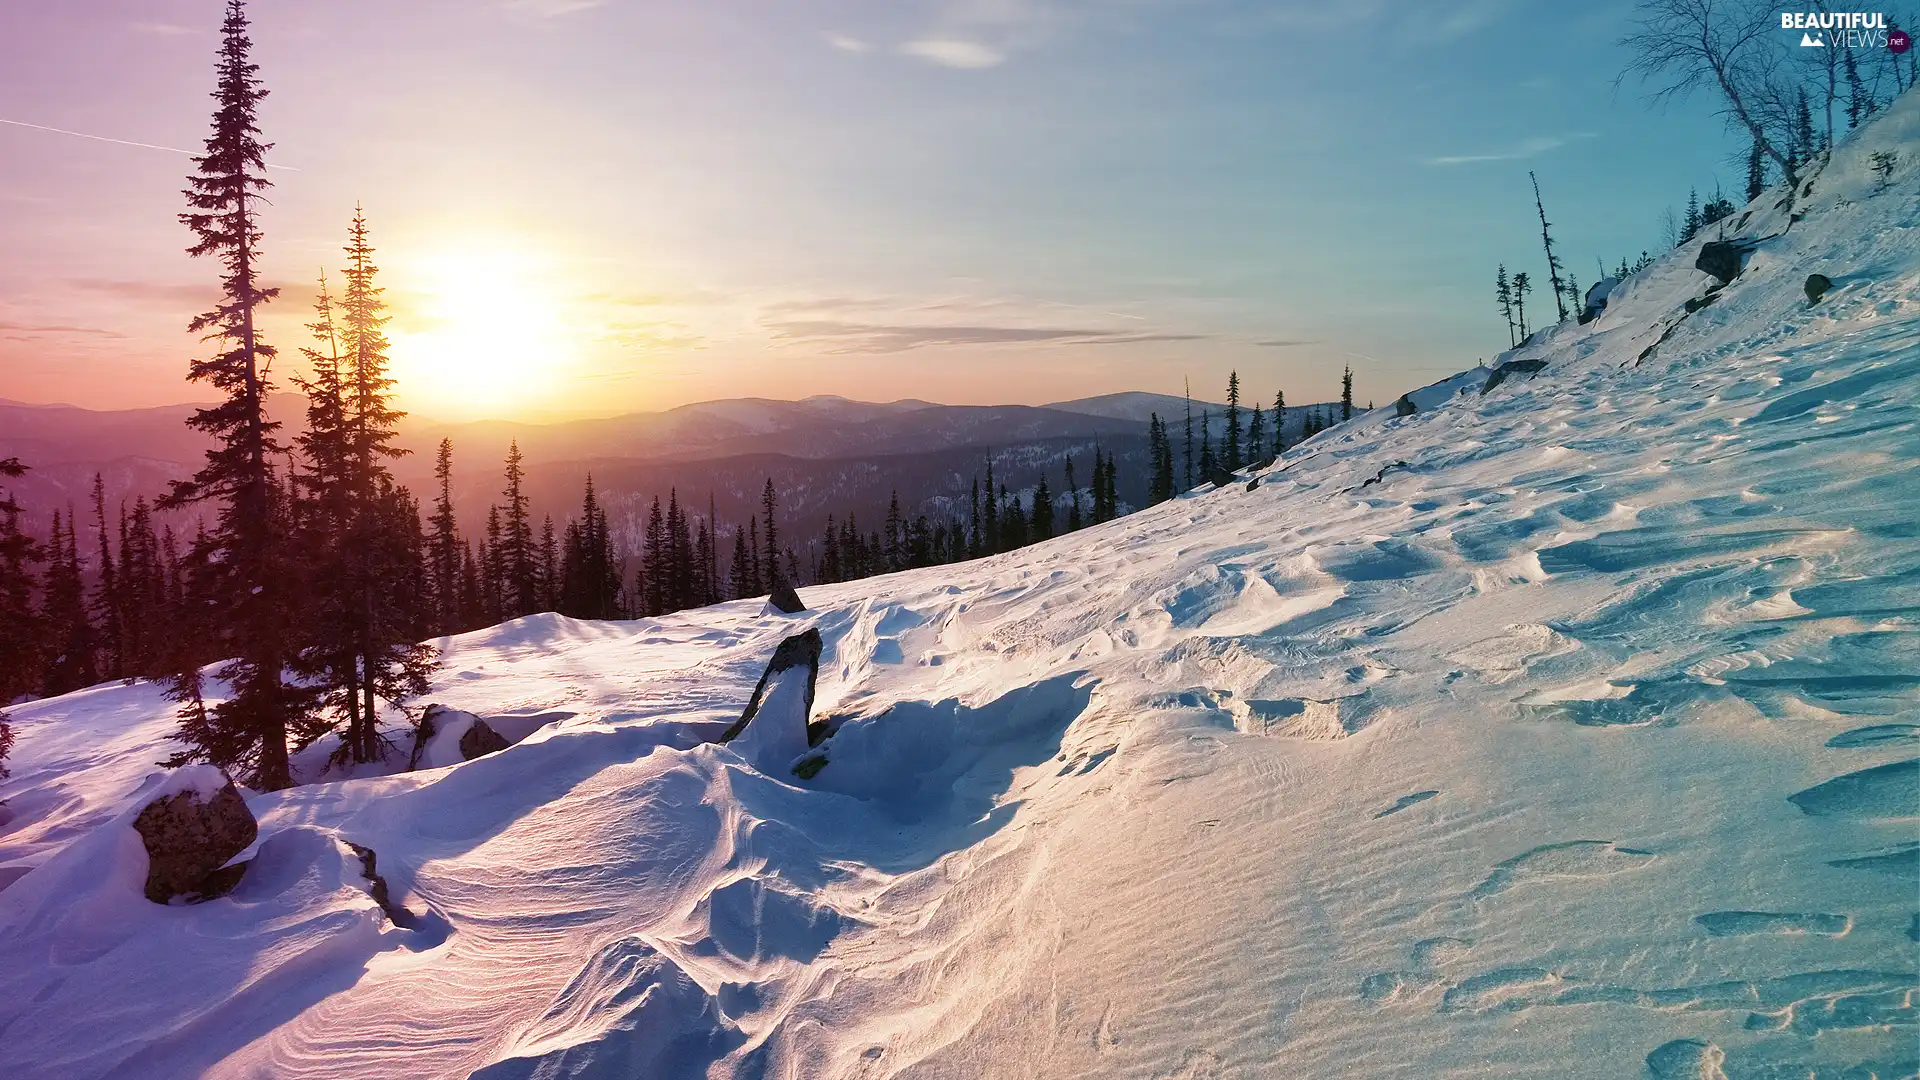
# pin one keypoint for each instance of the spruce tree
(1522, 285)
(248, 730)
(63, 612)
(1207, 461)
(1042, 527)
(893, 533)
(548, 573)
(1188, 455)
(1503, 294)
(769, 504)
(1256, 432)
(516, 538)
(1546, 239)
(1074, 522)
(106, 592)
(1279, 422)
(21, 628)
(1690, 224)
(991, 517)
(443, 545)
(656, 564)
(1346, 393)
(1230, 445)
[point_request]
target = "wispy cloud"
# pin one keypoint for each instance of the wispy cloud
(1285, 343)
(22, 331)
(858, 337)
(161, 29)
(954, 53)
(1520, 152)
(551, 9)
(846, 43)
(148, 292)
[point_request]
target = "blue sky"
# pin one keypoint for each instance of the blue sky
(586, 208)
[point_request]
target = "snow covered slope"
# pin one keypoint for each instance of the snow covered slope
(1569, 730)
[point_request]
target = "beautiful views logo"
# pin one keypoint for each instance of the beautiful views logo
(1845, 29)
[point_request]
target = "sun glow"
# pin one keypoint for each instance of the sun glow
(482, 335)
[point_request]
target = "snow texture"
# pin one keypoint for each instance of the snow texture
(1564, 731)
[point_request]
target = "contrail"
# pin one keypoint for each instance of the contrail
(120, 142)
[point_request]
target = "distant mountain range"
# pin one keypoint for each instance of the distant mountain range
(826, 454)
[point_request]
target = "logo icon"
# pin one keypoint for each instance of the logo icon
(1808, 41)
(1899, 41)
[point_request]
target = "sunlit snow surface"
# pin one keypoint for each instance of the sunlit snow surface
(1589, 729)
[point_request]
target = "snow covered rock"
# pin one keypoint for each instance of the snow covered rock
(1596, 301)
(772, 731)
(1511, 368)
(1404, 406)
(448, 736)
(197, 823)
(785, 600)
(1723, 258)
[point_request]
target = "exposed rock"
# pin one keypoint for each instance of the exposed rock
(1596, 300)
(800, 649)
(1253, 483)
(785, 599)
(1723, 259)
(423, 732)
(377, 888)
(1511, 367)
(480, 740)
(1817, 286)
(1687, 1059)
(1220, 477)
(1404, 407)
(189, 837)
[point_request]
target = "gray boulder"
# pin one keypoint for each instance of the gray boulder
(189, 838)
(1220, 477)
(1404, 406)
(1817, 286)
(785, 599)
(796, 651)
(1509, 369)
(1723, 259)
(480, 740)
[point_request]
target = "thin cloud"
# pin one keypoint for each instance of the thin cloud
(22, 331)
(854, 337)
(845, 43)
(118, 142)
(551, 9)
(1285, 343)
(161, 29)
(147, 292)
(956, 53)
(1526, 149)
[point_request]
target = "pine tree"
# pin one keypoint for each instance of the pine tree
(769, 502)
(493, 571)
(516, 538)
(1042, 528)
(1546, 239)
(1804, 143)
(590, 577)
(1690, 224)
(1279, 422)
(106, 593)
(656, 563)
(976, 543)
(248, 731)
(893, 532)
(1503, 294)
(1256, 432)
(1860, 103)
(1346, 393)
(21, 628)
(1207, 461)
(991, 517)
(755, 577)
(63, 612)
(1522, 285)
(1189, 435)
(711, 530)
(444, 545)
(1074, 521)
(548, 573)
(1230, 445)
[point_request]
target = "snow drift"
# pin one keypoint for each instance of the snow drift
(1567, 730)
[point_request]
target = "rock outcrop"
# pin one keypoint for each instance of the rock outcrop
(1509, 369)
(784, 599)
(480, 740)
(1817, 286)
(773, 729)
(189, 836)
(1723, 259)
(1404, 406)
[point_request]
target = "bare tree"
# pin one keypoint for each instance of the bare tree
(1729, 46)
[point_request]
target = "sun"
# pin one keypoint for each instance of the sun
(485, 336)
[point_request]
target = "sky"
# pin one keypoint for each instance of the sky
(589, 207)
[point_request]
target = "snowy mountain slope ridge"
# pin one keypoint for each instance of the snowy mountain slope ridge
(1568, 730)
